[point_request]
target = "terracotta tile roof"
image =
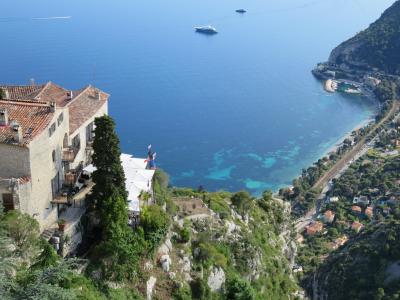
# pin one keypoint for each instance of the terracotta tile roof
(29, 106)
(21, 92)
(314, 228)
(84, 106)
(49, 92)
(369, 211)
(357, 226)
(329, 214)
(33, 117)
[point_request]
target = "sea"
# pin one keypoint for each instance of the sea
(236, 110)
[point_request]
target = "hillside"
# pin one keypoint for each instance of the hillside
(376, 47)
(367, 267)
(222, 246)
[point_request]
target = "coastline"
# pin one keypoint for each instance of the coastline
(339, 142)
(348, 134)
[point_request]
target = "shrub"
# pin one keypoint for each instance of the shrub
(155, 223)
(239, 289)
(242, 201)
(200, 289)
(185, 235)
(23, 231)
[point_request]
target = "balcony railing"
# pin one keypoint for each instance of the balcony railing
(69, 154)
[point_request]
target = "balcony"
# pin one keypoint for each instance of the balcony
(70, 178)
(69, 154)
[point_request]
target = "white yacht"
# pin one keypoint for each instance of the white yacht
(206, 29)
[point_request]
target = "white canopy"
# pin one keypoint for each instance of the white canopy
(138, 178)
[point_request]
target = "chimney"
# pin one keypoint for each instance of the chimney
(17, 130)
(4, 94)
(97, 94)
(3, 117)
(53, 106)
(70, 95)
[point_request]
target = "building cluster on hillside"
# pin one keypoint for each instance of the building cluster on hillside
(46, 137)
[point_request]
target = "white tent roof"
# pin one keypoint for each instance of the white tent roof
(138, 178)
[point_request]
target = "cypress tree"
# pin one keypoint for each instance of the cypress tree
(109, 195)
(120, 249)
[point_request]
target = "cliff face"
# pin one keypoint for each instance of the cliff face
(376, 47)
(219, 250)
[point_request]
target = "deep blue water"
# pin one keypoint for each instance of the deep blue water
(236, 110)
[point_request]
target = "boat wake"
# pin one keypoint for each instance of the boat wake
(53, 18)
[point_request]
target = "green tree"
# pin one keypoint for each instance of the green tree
(155, 223)
(239, 289)
(23, 231)
(242, 201)
(120, 248)
(109, 195)
(47, 258)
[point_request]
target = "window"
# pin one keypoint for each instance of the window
(8, 202)
(53, 155)
(52, 129)
(60, 119)
(89, 132)
(65, 141)
(55, 185)
(76, 141)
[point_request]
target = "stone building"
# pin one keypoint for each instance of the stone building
(46, 133)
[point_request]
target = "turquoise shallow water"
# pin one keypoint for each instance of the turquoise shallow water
(239, 109)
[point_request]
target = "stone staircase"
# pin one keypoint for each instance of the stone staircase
(48, 233)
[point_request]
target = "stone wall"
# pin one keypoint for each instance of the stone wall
(14, 161)
(44, 169)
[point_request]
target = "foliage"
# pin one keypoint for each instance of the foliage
(155, 223)
(242, 201)
(108, 194)
(123, 294)
(120, 248)
(182, 292)
(377, 46)
(217, 202)
(239, 289)
(273, 210)
(47, 258)
(160, 186)
(119, 255)
(185, 233)
(23, 231)
(200, 289)
(359, 271)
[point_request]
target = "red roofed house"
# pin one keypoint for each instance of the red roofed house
(357, 226)
(45, 139)
(328, 216)
(369, 212)
(314, 228)
(356, 209)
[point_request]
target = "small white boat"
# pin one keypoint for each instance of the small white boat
(241, 11)
(206, 29)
